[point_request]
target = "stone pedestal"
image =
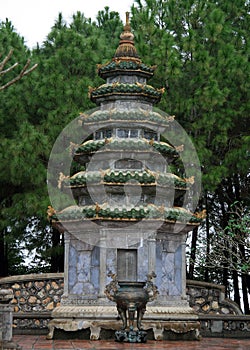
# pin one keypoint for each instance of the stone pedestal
(84, 305)
(171, 323)
(6, 320)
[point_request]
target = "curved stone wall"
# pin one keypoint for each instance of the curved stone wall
(36, 295)
(209, 299)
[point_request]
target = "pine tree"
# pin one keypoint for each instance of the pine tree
(33, 113)
(20, 167)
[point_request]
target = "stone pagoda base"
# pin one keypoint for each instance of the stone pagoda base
(98, 322)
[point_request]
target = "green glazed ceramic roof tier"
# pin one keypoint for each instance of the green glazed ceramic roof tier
(114, 91)
(105, 212)
(133, 115)
(122, 176)
(128, 67)
(117, 144)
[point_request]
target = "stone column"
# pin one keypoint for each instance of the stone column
(183, 271)
(103, 262)
(151, 254)
(66, 264)
(172, 277)
(6, 320)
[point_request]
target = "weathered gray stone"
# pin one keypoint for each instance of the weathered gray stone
(215, 305)
(216, 326)
(6, 320)
(225, 310)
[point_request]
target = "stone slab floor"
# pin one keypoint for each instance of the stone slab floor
(30, 342)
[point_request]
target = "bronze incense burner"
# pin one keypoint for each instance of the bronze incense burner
(131, 298)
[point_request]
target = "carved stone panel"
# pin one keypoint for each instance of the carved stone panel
(127, 264)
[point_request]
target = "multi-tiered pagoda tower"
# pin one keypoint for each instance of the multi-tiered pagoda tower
(128, 217)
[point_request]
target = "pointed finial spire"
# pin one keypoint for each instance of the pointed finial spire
(127, 27)
(126, 48)
(127, 17)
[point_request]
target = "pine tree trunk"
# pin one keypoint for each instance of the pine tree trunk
(3, 256)
(225, 276)
(61, 259)
(236, 287)
(57, 255)
(208, 241)
(225, 252)
(245, 294)
(244, 279)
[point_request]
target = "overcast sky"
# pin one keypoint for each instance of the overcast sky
(33, 19)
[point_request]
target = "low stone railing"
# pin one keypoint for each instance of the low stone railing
(219, 317)
(36, 295)
(209, 298)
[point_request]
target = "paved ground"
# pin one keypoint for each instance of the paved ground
(29, 342)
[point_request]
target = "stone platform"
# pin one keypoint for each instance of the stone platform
(100, 322)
